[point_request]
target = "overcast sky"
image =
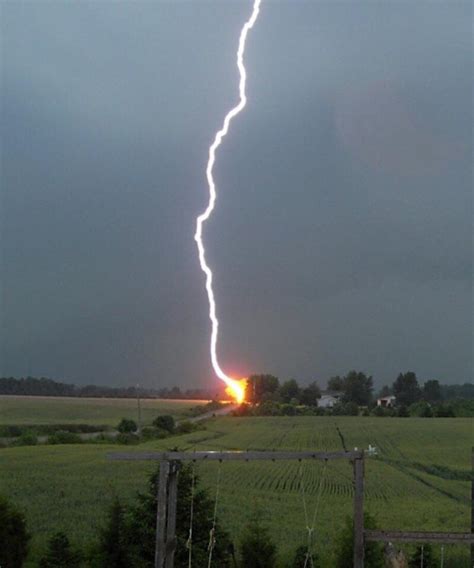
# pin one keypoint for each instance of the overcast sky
(342, 233)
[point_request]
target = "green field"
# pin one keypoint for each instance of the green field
(419, 480)
(25, 410)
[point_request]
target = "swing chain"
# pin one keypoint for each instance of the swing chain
(189, 542)
(212, 532)
(310, 528)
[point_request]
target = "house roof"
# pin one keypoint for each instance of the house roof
(334, 394)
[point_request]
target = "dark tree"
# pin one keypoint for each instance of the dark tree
(373, 551)
(113, 550)
(256, 546)
(142, 523)
(127, 426)
(165, 422)
(260, 388)
(289, 390)
(358, 388)
(432, 391)
(385, 391)
(13, 536)
(406, 389)
(60, 553)
(336, 383)
(310, 394)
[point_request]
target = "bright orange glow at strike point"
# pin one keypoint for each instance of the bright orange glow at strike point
(236, 389)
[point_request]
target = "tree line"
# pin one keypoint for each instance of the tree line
(32, 386)
(355, 390)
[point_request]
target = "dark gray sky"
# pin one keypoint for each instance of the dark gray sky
(342, 234)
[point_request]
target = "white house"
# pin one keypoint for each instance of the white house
(329, 399)
(386, 401)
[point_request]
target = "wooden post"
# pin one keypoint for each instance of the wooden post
(171, 515)
(161, 514)
(472, 505)
(359, 513)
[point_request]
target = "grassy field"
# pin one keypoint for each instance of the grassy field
(419, 480)
(24, 410)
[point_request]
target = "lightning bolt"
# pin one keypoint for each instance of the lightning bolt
(236, 386)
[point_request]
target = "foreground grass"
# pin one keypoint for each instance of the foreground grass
(419, 480)
(24, 410)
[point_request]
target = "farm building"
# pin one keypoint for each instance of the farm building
(386, 401)
(329, 399)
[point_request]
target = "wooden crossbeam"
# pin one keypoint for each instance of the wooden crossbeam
(233, 456)
(419, 536)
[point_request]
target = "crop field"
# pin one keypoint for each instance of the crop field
(24, 410)
(418, 480)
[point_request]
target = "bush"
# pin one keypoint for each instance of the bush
(268, 408)
(127, 426)
(60, 554)
(27, 438)
(384, 411)
(402, 412)
(256, 547)
(10, 431)
(61, 437)
(444, 411)
(13, 536)
(421, 409)
(165, 422)
(374, 557)
(345, 409)
(288, 410)
(127, 439)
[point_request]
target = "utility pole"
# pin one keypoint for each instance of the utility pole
(139, 411)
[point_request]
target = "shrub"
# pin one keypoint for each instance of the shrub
(444, 411)
(383, 411)
(256, 547)
(165, 422)
(127, 426)
(13, 536)
(421, 409)
(374, 557)
(402, 411)
(61, 437)
(60, 554)
(127, 439)
(288, 409)
(268, 408)
(10, 431)
(27, 438)
(113, 549)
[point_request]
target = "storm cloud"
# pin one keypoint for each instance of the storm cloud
(342, 233)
